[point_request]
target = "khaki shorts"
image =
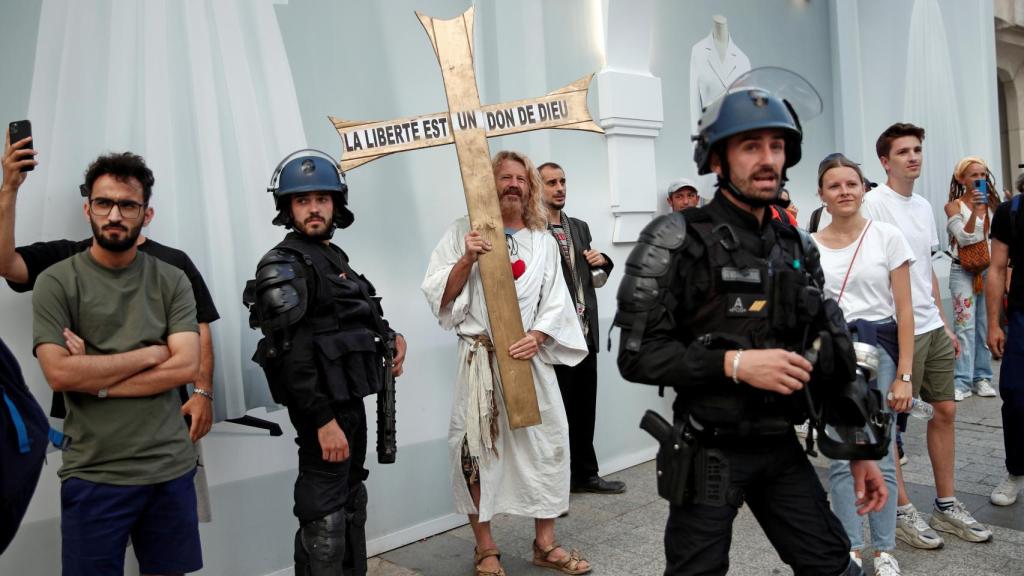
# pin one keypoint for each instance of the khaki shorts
(933, 366)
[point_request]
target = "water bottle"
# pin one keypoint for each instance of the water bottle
(921, 409)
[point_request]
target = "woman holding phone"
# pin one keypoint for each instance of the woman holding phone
(972, 201)
(867, 271)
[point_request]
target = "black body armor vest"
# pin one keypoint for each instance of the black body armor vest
(349, 335)
(755, 299)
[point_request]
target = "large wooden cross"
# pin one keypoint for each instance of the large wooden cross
(468, 125)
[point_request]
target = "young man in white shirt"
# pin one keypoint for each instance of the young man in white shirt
(935, 346)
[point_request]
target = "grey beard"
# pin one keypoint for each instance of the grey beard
(511, 207)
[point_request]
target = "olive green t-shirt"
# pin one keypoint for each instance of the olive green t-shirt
(124, 441)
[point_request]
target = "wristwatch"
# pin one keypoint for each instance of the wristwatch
(905, 378)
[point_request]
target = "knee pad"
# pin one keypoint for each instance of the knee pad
(323, 539)
(355, 507)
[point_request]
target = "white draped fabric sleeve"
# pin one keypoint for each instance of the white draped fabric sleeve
(447, 252)
(556, 315)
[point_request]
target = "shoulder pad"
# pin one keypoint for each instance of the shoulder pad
(805, 239)
(281, 293)
(666, 231)
(649, 263)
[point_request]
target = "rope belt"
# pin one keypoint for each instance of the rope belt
(482, 413)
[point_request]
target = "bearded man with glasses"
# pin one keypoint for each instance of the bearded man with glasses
(21, 265)
(115, 332)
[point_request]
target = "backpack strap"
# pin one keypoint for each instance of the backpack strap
(20, 431)
(58, 439)
(812, 226)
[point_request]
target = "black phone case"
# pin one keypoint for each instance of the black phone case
(20, 130)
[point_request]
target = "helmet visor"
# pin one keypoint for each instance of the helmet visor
(781, 83)
(784, 84)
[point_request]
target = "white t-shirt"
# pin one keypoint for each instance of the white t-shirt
(868, 293)
(913, 217)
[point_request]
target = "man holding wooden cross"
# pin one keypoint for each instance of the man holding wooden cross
(495, 468)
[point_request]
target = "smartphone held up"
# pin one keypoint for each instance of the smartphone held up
(981, 191)
(20, 130)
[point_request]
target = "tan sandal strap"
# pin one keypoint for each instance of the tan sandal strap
(546, 551)
(478, 556)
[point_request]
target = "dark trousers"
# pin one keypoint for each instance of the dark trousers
(330, 500)
(1011, 390)
(780, 486)
(578, 385)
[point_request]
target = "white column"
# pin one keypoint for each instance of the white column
(630, 111)
(844, 25)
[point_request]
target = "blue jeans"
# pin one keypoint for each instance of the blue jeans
(970, 322)
(883, 522)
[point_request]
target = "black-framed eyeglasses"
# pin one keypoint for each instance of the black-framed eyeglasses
(127, 208)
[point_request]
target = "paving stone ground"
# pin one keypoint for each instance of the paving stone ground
(622, 534)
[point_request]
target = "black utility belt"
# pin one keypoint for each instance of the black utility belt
(775, 427)
(332, 323)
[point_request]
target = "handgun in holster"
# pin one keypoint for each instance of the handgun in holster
(677, 448)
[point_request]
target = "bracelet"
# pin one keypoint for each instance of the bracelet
(204, 393)
(736, 365)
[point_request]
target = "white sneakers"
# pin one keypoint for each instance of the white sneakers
(886, 565)
(1006, 493)
(984, 389)
(913, 530)
(957, 520)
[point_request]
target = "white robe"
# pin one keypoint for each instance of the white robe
(530, 474)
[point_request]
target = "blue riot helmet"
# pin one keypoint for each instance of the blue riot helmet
(309, 170)
(763, 98)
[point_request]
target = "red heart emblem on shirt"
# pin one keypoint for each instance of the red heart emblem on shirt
(518, 268)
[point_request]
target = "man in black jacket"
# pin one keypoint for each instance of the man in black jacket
(719, 303)
(324, 349)
(584, 269)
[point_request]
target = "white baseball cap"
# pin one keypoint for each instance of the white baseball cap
(682, 183)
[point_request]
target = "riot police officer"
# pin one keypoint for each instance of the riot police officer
(721, 304)
(325, 348)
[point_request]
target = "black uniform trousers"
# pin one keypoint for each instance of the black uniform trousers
(784, 493)
(578, 385)
(323, 489)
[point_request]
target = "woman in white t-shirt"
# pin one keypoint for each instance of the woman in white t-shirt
(968, 217)
(867, 270)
